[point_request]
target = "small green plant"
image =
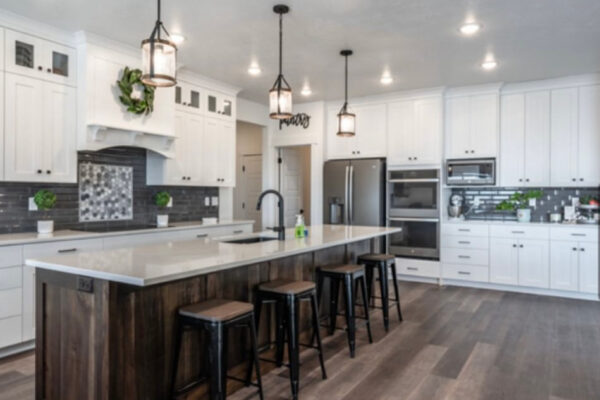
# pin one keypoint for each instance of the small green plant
(519, 200)
(44, 199)
(161, 199)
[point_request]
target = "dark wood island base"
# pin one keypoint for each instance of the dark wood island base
(98, 339)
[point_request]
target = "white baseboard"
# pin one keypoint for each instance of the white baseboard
(17, 348)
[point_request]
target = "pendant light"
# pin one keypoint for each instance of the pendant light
(346, 120)
(280, 96)
(159, 57)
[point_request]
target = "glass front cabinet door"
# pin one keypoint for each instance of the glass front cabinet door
(219, 105)
(39, 58)
(187, 97)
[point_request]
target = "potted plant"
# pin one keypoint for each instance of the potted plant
(520, 202)
(45, 200)
(162, 199)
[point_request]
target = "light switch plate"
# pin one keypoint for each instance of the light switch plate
(214, 200)
(170, 203)
(532, 203)
(31, 206)
(207, 201)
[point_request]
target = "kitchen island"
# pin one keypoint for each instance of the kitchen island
(105, 319)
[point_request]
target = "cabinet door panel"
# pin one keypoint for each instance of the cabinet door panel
(59, 63)
(512, 140)
(563, 137)
(588, 268)
(227, 154)
(457, 124)
(371, 131)
(504, 261)
(59, 137)
(564, 271)
(534, 269)
(210, 158)
(194, 133)
(483, 114)
(28, 322)
(23, 129)
(402, 132)
(428, 133)
(589, 136)
(537, 139)
(175, 167)
(24, 53)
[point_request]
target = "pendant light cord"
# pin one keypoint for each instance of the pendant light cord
(280, 43)
(346, 83)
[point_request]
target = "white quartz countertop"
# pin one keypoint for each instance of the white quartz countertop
(494, 222)
(152, 264)
(68, 234)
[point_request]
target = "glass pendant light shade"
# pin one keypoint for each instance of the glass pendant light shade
(280, 96)
(346, 120)
(159, 57)
(159, 62)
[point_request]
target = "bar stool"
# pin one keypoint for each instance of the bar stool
(348, 275)
(216, 317)
(381, 262)
(286, 295)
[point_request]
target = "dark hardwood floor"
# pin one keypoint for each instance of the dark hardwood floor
(455, 343)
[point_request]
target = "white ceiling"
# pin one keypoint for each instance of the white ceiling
(417, 40)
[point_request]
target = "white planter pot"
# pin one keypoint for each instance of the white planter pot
(162, 221)
(524, 215)
(45, 227)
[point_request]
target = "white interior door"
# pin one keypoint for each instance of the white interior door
(292, 183)
(249, 188)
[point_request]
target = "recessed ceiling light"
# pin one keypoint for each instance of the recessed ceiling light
(386, 79)
(470, 28)
(306, 91)
(489, 65)
(254, 69)
(177, 38)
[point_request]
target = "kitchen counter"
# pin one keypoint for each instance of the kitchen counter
(105, 320)
(159, 263)
(7, 239)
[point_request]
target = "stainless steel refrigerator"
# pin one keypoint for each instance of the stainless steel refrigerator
(354, 192)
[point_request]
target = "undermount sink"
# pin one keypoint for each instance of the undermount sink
(249, 240)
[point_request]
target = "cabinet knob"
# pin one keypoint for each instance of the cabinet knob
(521, 246)
(514, 245)
(48, 70)
(415, 158)
(472, 151)
(358, 152)
(582, 249)
(466, 151)
(39, 171)
(409, 158)
(40, 68)
(520, 180)
(183, 177)
(527, 180)
(48, 171)
(184, 103)
(574, 179)
(580, 179)
(574, 248)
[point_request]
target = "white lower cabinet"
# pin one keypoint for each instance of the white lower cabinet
(588, 268)
(534, 268)
(564, 266)
(11, 295)
(504, 261)
(28, 325)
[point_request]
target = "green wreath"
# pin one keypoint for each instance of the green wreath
(131, 78)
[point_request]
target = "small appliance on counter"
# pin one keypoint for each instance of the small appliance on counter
(455, 207)
(555, 217)
(587, 214)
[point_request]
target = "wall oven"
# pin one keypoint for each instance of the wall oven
(413, 205)
(475, 172)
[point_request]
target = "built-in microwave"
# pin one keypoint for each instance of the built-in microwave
(471, 172)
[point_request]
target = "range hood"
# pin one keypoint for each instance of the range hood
(103, 121)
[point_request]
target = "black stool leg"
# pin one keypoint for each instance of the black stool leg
(178, 337)
(383, 284)
(217, 362)
(396, 291)
(361, 281)
(350, 320)
(279, 333)
(294, 353)
(369, 276)
(254, 357)
(317, 333)
(333, 304)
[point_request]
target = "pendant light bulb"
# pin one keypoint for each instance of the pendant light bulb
(159, 57)
(280, 96)
(346, 119)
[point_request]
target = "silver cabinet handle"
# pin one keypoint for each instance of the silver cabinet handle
(201, 235)
(463, 242)
(464, 257)
(415, 219)
(351, 196)
(464, 273)
(238, 231)
(521, 232)
(464, 230)
(67, 250)
(579, 234)
(412, 268)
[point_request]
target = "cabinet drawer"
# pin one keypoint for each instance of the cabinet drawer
(229, 230)
(465, 256)
(464, 230)
(428, 269)
(517, 231)
(10, 303)
(10, 331)
(474, 273)
(117, 242)
(67, 246)
(10, 278)
(11, 256)
(574, 234)
(465, 242)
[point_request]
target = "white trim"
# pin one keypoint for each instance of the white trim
(474, 90)
(548, 84)
(32, 27)
(17, 348)
(185, 75)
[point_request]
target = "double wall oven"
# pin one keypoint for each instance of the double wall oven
(413, 205)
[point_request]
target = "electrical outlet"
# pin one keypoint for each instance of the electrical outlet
(31, 206)
(214, 201)
(532, 203)
(170, 203)
(207, 201)
(476, 201)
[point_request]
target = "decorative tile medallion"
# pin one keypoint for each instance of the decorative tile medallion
(105, 192)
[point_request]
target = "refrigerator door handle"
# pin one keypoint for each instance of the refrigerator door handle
(350, 196)
(346, 203)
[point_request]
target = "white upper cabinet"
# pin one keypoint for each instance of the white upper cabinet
(472, 126)
(415, 132)
(525, 139)
(220, 105)
(188, 98)
(218, 157)
(39, 146)
(370, 139)
(32, 56)
(589, 136)
(563, 137)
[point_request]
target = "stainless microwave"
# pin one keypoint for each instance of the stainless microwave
(471, 172)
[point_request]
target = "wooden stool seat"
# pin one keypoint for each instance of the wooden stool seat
(282, 286)
(216, 310)
(343, 269)
(376, 257)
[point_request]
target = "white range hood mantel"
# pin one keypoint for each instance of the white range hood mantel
(105, 122)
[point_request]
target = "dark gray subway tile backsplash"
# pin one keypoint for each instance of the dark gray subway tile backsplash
(188, 202)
